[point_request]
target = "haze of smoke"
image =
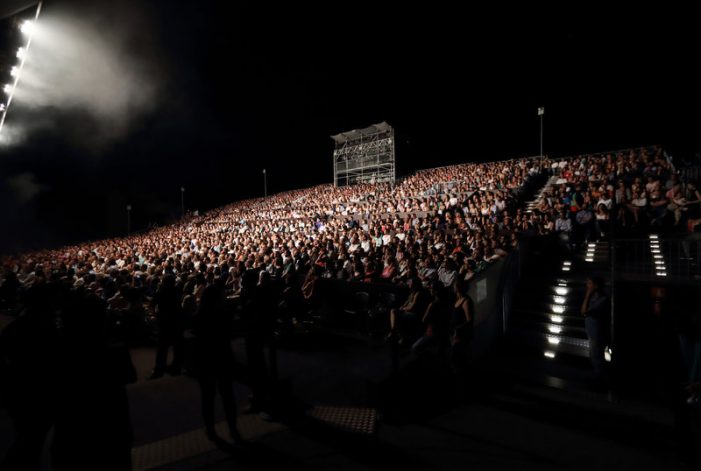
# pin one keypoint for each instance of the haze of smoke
(92, 67)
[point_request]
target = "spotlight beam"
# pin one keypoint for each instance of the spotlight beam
(28, 28)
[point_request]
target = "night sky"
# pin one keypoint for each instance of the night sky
(244, 86)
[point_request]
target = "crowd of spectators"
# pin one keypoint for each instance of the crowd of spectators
(633, 189)
(440, 223)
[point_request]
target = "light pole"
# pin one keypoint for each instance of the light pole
(128, 219)
(182, 202)
(265, 183)
(541, 113)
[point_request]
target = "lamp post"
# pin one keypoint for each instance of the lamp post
(128, 219)
(265, 183)
(182, 202)
(541, 113)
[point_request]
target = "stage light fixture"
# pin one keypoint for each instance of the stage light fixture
(27, 27)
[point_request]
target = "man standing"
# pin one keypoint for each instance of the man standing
(595, 310)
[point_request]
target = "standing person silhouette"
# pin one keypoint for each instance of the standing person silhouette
(28, 366)
(93, 425)
(171, 327)
(595, 310)
(215, 360)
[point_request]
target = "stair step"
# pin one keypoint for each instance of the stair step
(557, 329)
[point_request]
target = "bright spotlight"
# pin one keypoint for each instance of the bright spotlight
(27, 27)
(7, 88)
(21, 53)
(14, 71)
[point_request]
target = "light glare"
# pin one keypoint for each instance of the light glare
(27, 27)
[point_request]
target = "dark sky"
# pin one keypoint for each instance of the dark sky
(249, 85)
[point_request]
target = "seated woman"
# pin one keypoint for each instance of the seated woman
(435, 322)
(403, 321)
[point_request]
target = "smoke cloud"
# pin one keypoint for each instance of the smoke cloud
(100, 68)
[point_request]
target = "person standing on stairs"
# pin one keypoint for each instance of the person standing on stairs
(595, 310)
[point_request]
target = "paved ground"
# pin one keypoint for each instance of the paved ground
(502, 426)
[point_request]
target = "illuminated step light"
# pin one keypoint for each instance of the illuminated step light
(565, 268)
(559, 299)
(659, 262)
(549, 354)
(657, 256)
(567, 263)
(653, 236)
(554, 329)
(589, 259)
(654, 246)
(561, 291)
(562, 282)
(661, 273)
(557, 319)
(607, 355)
(557, 309)
(591, 245)
(553, 340)
(655, 250)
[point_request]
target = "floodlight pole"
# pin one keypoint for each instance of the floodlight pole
(541, 113)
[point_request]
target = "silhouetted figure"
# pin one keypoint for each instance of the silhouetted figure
(461, 326)
(435, 322)
(171, 328)
(8, 290)
(261, 318)
(28, 364)
(595, 310)
(93, 427)
(215, 359)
